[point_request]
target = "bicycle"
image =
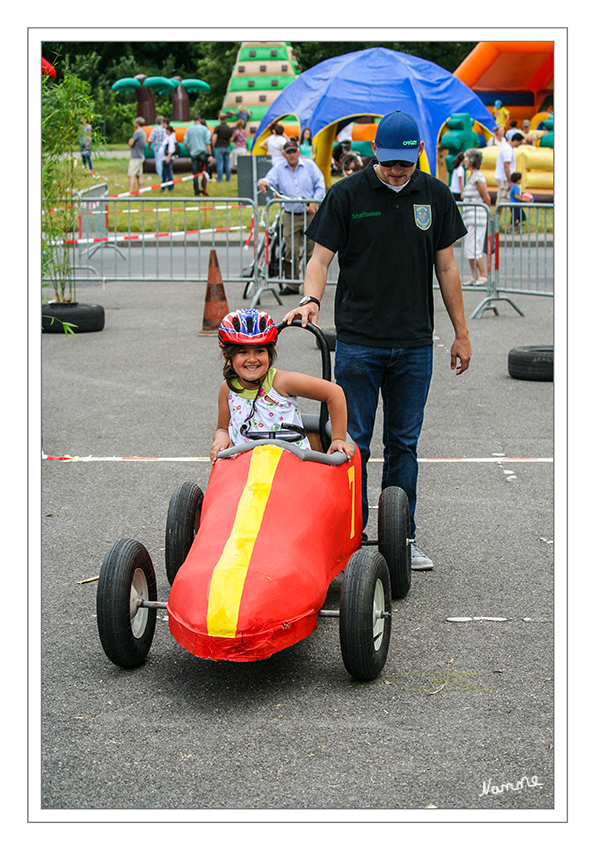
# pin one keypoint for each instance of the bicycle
(270, 252)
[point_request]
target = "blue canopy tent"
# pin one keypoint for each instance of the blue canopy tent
(373, 82)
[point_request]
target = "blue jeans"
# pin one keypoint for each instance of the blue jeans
(168, 174)
(223, 161)
(402, 376)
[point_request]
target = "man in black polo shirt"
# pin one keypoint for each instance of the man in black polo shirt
(392, 226)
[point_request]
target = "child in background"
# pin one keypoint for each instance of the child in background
(257, 401)
(457, 180)
(518, 214)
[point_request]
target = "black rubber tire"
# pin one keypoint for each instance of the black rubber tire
(86, 317)
(127, 573)
(532, 363)
(365, 593)
(183, 522)
(394, 526)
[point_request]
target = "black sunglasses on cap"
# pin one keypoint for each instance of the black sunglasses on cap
(400, 162)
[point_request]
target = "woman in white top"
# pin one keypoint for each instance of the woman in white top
(475, 192)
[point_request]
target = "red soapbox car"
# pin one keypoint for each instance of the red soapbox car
(250, 564)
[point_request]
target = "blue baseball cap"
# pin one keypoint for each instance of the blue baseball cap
(397, 137)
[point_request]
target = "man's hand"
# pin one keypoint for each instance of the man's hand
(307, 313)
(460, 355)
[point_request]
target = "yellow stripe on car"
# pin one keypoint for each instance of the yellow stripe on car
(229, 575)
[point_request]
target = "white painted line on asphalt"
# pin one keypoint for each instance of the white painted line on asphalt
(94, 459)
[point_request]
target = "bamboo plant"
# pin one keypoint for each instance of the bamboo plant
(64, 105)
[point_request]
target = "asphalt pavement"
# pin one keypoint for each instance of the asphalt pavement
(461, 718)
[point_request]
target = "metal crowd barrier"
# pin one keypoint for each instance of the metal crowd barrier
(170, 239)
(93, 222)
(519, 247)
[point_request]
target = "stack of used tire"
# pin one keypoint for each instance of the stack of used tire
(532, 363)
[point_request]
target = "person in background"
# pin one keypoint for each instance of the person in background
(501, 113)
(137, 154)
(476, 219)
(498, 137)
(518, 215)
(505, 166)
(275, 142)
(85, 140)
(156, 140)
(295, 177)
(221, 139)
(197, 139)
(244, 115)
(169, 153)
(306, 148)
(239, 142)
(457, 180)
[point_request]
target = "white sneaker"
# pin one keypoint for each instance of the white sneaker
(419, 561)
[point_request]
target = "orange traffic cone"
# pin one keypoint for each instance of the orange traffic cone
(215, 301)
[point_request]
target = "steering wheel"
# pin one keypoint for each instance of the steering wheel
(299, 434)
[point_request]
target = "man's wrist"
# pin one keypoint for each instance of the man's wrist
(307, 299)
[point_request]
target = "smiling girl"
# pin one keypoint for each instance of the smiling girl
(257, 401)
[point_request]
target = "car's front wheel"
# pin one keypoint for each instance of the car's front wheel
(365, 614)
(126, 579)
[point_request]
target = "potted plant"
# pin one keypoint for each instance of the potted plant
(64, 106)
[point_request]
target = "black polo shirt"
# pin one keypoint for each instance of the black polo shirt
(386, 244)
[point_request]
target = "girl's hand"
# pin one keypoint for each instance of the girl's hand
(220, 442)
(341, 446)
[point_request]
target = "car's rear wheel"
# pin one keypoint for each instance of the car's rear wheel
(394, 524)
(365, 614)
(183, 522)
(127, 578)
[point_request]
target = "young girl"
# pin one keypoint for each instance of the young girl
(457, 182)
(256, 401)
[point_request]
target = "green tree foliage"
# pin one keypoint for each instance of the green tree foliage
(100, 64)
(447, 54)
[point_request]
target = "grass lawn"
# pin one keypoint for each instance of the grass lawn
(156, 211)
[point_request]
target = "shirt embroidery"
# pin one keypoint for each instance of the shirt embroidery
(423, 215)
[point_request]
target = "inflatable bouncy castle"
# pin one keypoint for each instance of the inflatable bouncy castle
(261, 72)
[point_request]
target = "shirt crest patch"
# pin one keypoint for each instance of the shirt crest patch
(423, 215)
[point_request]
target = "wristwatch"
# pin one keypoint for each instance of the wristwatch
(306, 300)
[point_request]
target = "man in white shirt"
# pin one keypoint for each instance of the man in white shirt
(505, 167)
(295, 177)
